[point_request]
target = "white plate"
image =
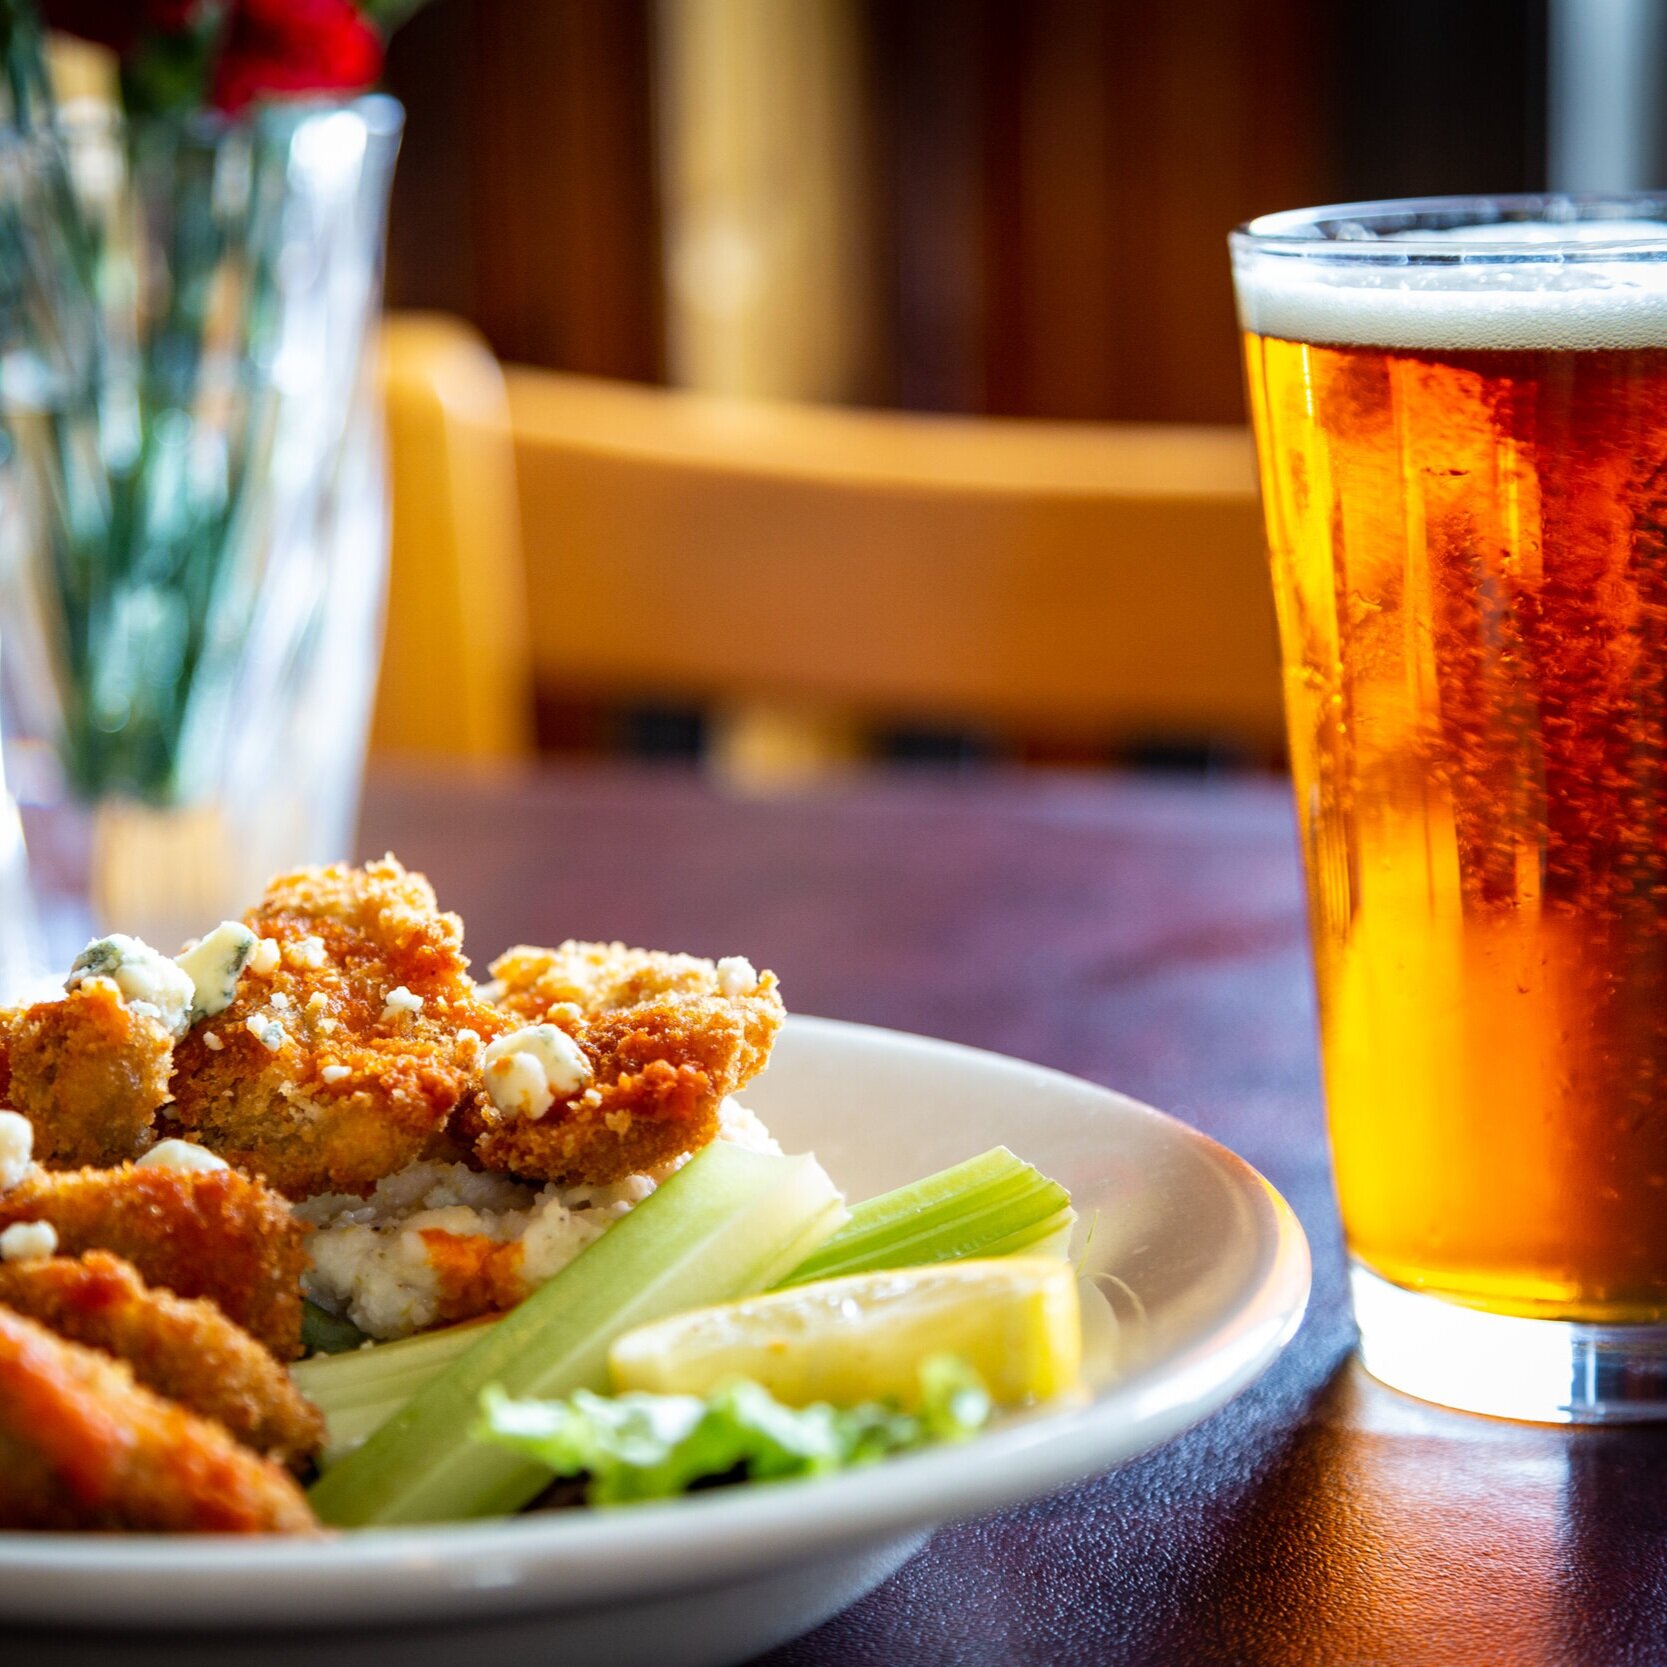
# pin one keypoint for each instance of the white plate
(1210, 1276)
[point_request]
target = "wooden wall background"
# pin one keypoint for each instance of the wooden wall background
(526, 198)
(1051, 179)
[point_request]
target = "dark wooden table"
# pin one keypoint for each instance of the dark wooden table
(1150, 937)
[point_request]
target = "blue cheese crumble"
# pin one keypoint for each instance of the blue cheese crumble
(214, 966)
(28, 1241)
(177, 994)
(181, 1154)
(399, 1002)
(530, 1069)
(150, 984)
(17, 1148)
(268, 1032)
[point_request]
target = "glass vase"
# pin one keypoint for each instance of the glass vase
(193, 523)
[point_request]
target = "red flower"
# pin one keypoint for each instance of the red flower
(118, 23)
(279, 48)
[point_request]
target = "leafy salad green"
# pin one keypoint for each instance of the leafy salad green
(640, 1446)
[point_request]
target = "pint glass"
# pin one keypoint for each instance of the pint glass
(1461, 420)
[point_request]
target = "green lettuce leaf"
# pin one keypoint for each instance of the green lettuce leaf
(640, 1446)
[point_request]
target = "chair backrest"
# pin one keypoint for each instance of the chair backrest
(1086, 581)
(456, 674)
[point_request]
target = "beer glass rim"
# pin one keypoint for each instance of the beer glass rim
(1429, 230)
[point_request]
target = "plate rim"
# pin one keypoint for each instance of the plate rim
(558, 1562)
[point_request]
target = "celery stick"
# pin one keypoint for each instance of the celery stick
(991, 1205)
(1051, 1237)
(360, 1391)
(349, 1428)
(727, 1224)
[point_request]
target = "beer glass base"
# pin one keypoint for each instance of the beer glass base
(1543, 1371)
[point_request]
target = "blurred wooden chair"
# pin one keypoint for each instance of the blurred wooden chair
(456, 667)
(808, 570)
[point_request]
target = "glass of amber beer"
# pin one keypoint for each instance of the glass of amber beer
(1461, 420)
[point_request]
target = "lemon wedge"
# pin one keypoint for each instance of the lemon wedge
(1014, 1320)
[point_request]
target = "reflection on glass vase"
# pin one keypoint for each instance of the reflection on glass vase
(193, 536)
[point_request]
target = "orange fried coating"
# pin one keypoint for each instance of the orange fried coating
(184, 1350)
(87, 1072)
(82, 1445)
(214, 1234)
(666, 1036)
(352, 1088)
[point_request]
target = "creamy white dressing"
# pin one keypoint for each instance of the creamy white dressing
(367, 1257)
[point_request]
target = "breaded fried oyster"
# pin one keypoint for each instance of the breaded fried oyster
(214, 1234)
(90, 1069)
(184, 1350)
(353, 1035)
(621, 1061)
(82, 1445)
(88, 1072)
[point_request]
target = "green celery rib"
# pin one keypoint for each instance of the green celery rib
(366, 1373)
(361, 1391)
(992, 1205)
(350, 1427)
(1051, 1237)
(725, 1225)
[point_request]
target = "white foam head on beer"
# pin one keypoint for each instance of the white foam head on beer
(1534, 303)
